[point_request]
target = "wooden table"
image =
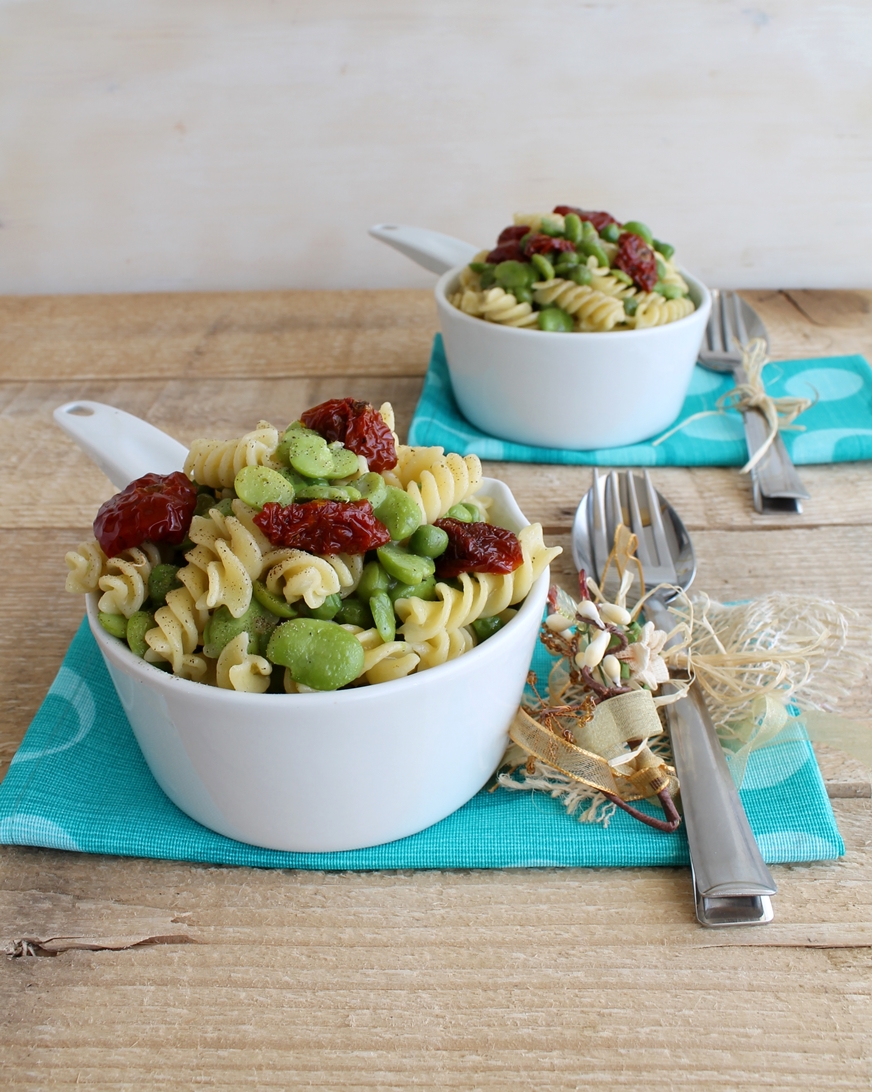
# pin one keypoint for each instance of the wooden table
(558, 979)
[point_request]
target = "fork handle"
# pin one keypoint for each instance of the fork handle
(775, 475)
(728, 869)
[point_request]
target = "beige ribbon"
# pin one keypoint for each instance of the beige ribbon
(779, 413)
(603, 763)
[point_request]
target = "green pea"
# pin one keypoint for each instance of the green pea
(580, 275)
(275, 604)
(572, 227)
(372, 487)
(480, 267)
(630, 305)
(487, 627)
(162, 579)
(569, 259)
(328, 609)
(611, 233)
(318, 654)
(669, 291)
(399, 513)
(345, 462)
(464, 511)
(383, 616)
(138, 624)
(543, 267)
(664, 248)
(222, 627)
(403, 566)
(258, 485)
(555, 320)
(592, 249)
(425, 590)
(515, 275)
(636, 227)
(621, 276)
(373, 580)
(306, 452)
(205, 501)
(551, 226)
(116, 624)
(429, 541)
(353, 612)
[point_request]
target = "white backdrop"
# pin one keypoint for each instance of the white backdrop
(211, 144)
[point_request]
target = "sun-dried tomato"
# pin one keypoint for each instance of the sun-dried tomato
(477, 548)
(357, 425)
(323, 526)
(539, 243)
(513, 233)
(637, 260)
(155, 507)
(598, 219)
(505, 252)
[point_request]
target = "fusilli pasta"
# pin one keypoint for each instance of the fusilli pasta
(217, 462)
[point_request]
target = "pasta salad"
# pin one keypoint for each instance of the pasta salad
(323, 556)
(575, 271)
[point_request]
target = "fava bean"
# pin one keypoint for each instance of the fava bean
(373, 580)
(543, 267)
(523, 295)
(589, 233)
(669, 291)
(488, 278)
(318, 654)
(383, 616)
(425, 590)
(325, 492)
(372, 487)
(429, 541)
(138, 624)
(399, 513)
(640, 229)
(162, 579)
(205, 501)
(621, 276)
(403, 566)
(572, 227)
(306, 452)
(275, 604)
(594, 250)
(115, 624)
(664, 248)
(580, 275)
(480, 267)
(354, 613)
(569, 259)
(661, 267)
(257, 622)
(487, 627)
(327, 610)
(225, 507)
(611, 233)
(630, 305)
(551, 226)
(345, 462)
(555, 320)
(258, 485)
(464, 511)
(515, 275)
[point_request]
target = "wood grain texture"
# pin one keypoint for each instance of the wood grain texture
(502, 980)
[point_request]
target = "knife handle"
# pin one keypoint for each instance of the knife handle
(732, 883)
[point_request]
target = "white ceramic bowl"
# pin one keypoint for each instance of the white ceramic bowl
(332, 771)
(574, 391)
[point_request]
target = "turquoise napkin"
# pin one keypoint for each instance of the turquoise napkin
(838, 428)
(79, 782)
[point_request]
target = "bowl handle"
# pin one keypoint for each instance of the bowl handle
(433, 251)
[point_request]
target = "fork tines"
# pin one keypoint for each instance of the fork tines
(618, 502)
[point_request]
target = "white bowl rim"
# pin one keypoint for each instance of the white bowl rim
(157, 678)
(658, 331)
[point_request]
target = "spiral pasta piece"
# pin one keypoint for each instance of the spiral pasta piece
(228, 555)
(593, 311)
(656, 310)
(497, 305)
(239, 669)
(434, 480)
(295, 575)
(444, 646)
(217, 462)
(607, 283)
(124, 582)
(86, 564)
(177, 632)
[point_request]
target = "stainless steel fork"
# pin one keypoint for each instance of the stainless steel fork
(775, 483)
(732, 885)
